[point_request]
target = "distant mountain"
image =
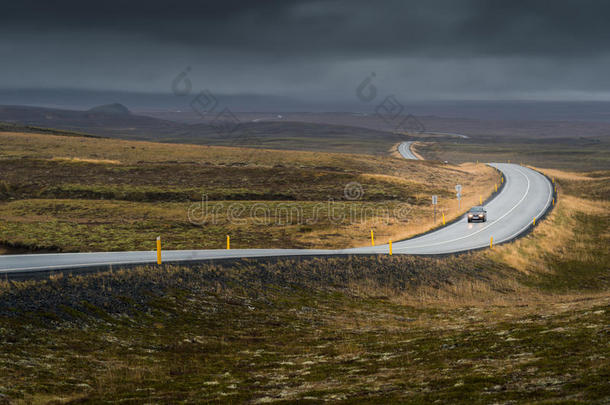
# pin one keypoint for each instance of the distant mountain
(114, 108)
(108, 120)
(590, 111)
(116, 121)
(74, 99)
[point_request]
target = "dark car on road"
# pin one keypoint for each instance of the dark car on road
(477, 214)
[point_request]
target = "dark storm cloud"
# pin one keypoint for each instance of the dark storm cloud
(427, 48)
(347, 27)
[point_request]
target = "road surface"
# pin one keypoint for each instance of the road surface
(526, 194)
(405, 150)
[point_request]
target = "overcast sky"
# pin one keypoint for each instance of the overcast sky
(429, 49)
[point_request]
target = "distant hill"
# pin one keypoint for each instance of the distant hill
(114, 108)
(30, 129)
(102, 120)
(116, 121)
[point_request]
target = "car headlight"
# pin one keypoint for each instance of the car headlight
(470, 215)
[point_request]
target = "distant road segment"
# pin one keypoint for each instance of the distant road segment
(405, 150)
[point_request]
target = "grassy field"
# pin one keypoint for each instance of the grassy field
(569, 250)
(564, 154)
(70, 194)
(525, 322)
(115, 121)
(348, 330)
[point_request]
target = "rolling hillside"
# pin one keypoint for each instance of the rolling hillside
(116, 121)
(71, 194)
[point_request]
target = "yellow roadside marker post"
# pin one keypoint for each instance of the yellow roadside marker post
(553, 202)
(390, 247)
(372, 238)
(502, 179)
(158, 250)
(534, 221)
(443, 218)
(228, 242)
(496, 187)
(480, 200)
(491, 242)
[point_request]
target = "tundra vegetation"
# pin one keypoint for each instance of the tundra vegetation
(75, 194)
(525, 322)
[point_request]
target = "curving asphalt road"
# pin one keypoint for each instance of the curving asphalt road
(405, 150)
(526, 194)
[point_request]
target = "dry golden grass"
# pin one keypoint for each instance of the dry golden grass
(393, 151)
(466, 292)
(43, 146)
(567, 253)
(552, 236)
(248, 343)
(562, 242)
(477, 185)
(390, 179)
(461, 291)
(477, 182)
(497, 294)
(77, 160)
(524, 254)
(492, 307)
(421, 179)
(571, 155)
(45, 399)
(455, 335)
(567, 175)
(486, 293)
(414, 145)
